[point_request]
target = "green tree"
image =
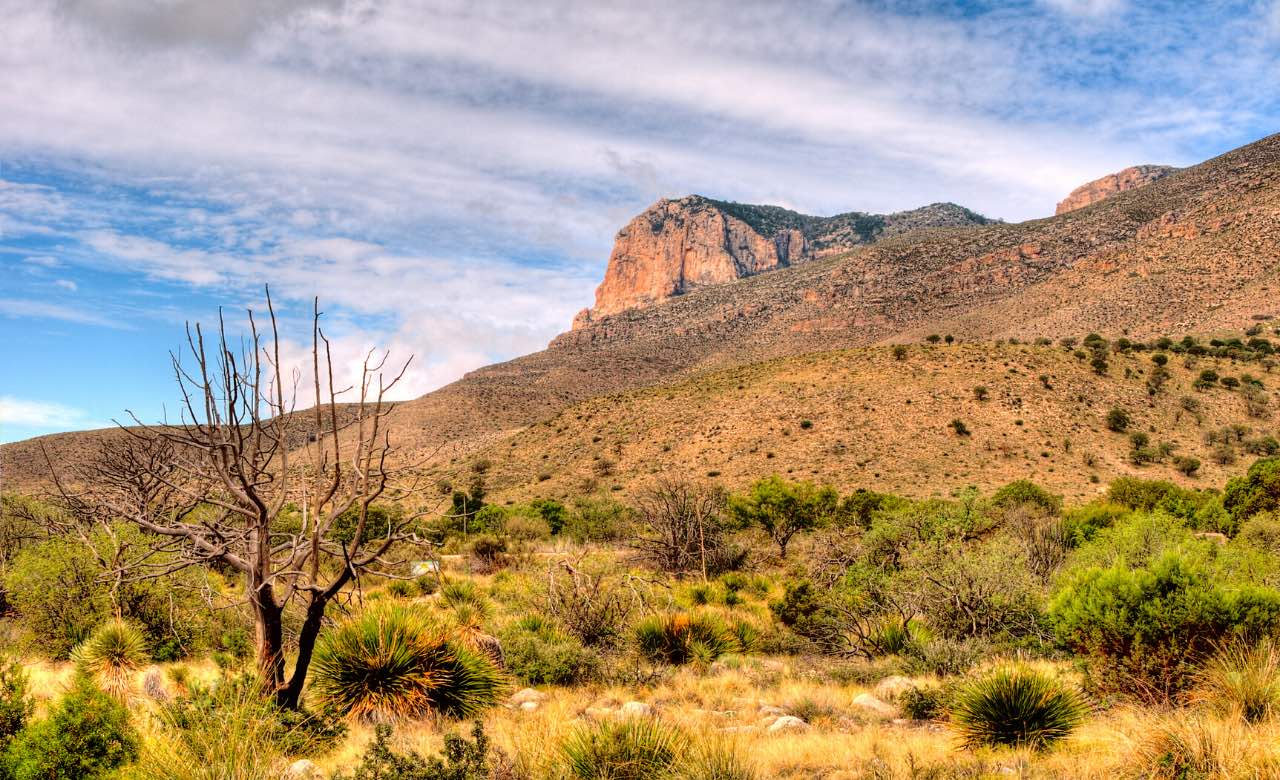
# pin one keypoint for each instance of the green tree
(1256, 492)
(784, 509)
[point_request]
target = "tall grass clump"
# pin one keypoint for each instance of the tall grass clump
(715, 759)
(1189, 747)
(1016, 707)
(1242, 680)
(112, 654)
(392, 663)
(679, 638)
(632, 749)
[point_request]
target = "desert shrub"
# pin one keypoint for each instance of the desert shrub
(1187, 465)
(1027, 494)
(539, 653)
(1142, 632)
(900, 351)
(925, 702)
(490, 552)
(15, 702)
(682, 528)
(1262, 532)
(860, 506)
(598, 520)
(111, 655)
(1256, 492)
(1186, 746)
(460, 759)
(455, 593)
(1083, 523)
(1016, 707)
(86, 735)
(1151, 494)
(392, 662)
(591, 604)
(981, 393)
(1243, 680)
(978, 591)
(784, 509)
(1118, 420)
(959, 427)
(632, 749)
(680, 637)
(379, 520)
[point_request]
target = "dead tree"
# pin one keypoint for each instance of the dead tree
(245, 481)
(682, 527)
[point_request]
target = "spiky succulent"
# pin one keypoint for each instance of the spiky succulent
(111, 655)
(1016, 707)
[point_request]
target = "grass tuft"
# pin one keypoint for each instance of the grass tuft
(1016, 707)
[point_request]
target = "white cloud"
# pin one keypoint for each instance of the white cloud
(19, 308)
(66, 284)
(20, 412)
(1087, 7)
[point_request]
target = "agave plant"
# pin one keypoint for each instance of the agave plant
(632, 749)
(680, 637)
(1243, 680)
(392, 662)
(1016, 707)
(111, 655)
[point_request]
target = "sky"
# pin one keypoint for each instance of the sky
(448, 176)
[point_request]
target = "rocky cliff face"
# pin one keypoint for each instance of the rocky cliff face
(679, 245)
(1112, 184)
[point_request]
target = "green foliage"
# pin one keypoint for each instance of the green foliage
(1118, 420)
(392, 662)
(680, 637)
(460, 759)
(1256, 492)
(379, 521)
(784, 509)
(632, 749)
(1083, 523)
(539, 653)
(861, 505)
(925, 702)
(598, 520)
(86, 735)
(959, 427)
(15, 701)
(111, 655)
(1025, 493)
(1016, 707)
(1142, 632)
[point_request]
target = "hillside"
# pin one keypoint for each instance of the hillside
(865, 418)
(1196, 251)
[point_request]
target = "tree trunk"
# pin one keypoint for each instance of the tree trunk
(291, 695)
(268, 625)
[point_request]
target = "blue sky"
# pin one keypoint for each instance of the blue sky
(448, 176)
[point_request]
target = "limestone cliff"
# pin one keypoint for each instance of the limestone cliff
(1112, 184)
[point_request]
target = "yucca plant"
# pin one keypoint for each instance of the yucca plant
(391, 663)
(1016, 707)
(632, 749)
(680, 637)
(111, 655)
(1242, 680)
(455, 593)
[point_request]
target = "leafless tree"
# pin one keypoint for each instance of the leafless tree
(682, 526)
(246, 482)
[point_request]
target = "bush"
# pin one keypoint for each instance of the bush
(784, 509)
(1187, 465)
(1016, 707)
(1143, 632)
(1243, 681)
(538, 653)
(1083, 523)
(391, 662)
(680, 638)
(1118, 420)
(633, 749)
(1256, 492)
(15, 702)
(85, 736)
(924, 702)
(112, 655)
(1025, 493)
(959, 427)
(462, 759)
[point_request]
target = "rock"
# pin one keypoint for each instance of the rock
(529, 706)
(787, 724)
(768, 709)
(891, 687)
(1112, 184)
(526, 695)
(302, 769)
(636, 709)
(871, 704)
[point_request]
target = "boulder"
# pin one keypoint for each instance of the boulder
(788, 724)
(874, 706)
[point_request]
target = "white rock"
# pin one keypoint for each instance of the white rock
(769, 709)
(302, 769)
(891, 687)
(521, 697)
(874, 706)
(529, 706)
(786, 724)
(636, 709)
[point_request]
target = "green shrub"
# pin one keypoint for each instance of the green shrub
(461, 759)
(1256, 492)
(86, 735)
(392, 662)
(1243, 680)
(1016, 707)
(1262, 532)
(1118, 420)
(679, 638)
(111, 655)
(632, 749)
(1083, 523)
(959, 427)
(1025, 493)
(1142, 632)
(15, 701)
(924, 702)
(538, 653)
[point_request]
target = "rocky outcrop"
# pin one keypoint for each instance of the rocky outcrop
(1128, 179)
(679, 245)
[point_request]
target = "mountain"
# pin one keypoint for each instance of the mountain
(1195, 251)
(675, 246)
(1121, 181)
